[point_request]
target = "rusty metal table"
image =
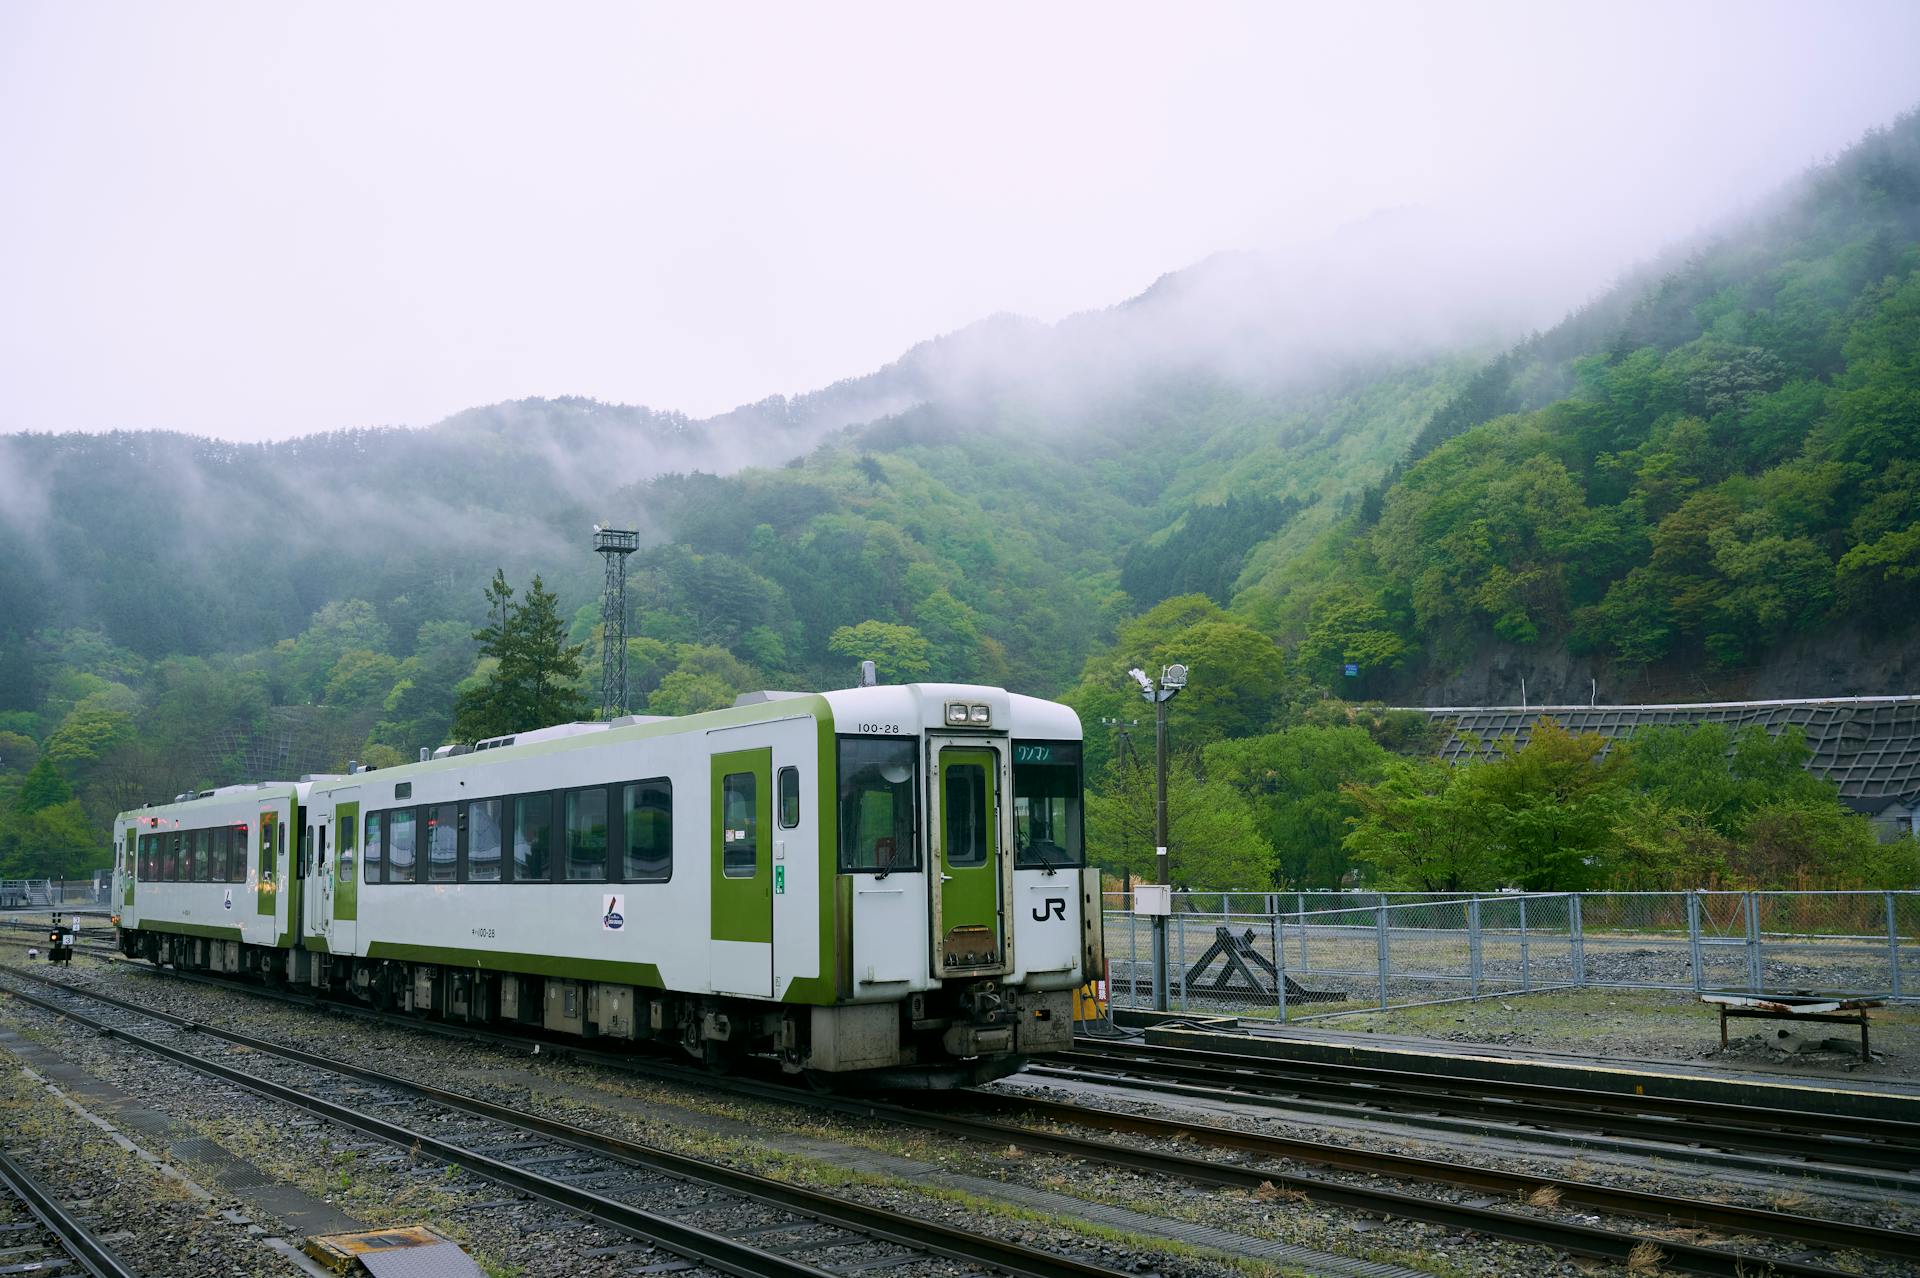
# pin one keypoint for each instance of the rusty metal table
(1795, 1007)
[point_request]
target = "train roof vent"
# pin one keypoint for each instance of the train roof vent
(765, 695)
(244, 788)
(449, 751)
(554, 733)
(633, 720)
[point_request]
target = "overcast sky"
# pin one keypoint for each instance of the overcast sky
(257, 220)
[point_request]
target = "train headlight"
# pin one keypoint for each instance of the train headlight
(956, 712)
(981, 715)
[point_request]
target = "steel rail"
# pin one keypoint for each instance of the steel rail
(913, 1232)
(78, 1241)
(1491, 1221)
(1513, 1227)
(700, 1245)
(1849, 1141)
(1758, 1222)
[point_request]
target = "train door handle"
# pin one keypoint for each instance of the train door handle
(946, 878)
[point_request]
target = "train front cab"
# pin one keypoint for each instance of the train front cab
(967, 833)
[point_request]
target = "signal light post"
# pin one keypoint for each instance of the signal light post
(1172, 679)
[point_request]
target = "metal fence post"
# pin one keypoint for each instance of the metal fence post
(1180, 964)
(1279, 967)
(1473, 945)
(1526, 968)
(1693, 942)
(1306, 959)
(1133, 959)
(1578, 939)
(1381, 946)
(1893, 947)
(1753, 942)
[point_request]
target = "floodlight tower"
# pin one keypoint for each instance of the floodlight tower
(614, 545)
(1172, 679)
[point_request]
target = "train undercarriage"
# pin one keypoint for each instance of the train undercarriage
(960, 1035)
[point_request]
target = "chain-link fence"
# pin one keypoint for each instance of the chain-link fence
(38, 893)
(1248, 954)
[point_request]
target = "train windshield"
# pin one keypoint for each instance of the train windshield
(1047, 829)
(877, 805)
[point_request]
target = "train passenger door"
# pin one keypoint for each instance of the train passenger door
(266, 867)
(129, 862)
(969, 925)
(316, 874)
(741, 949)
(345, 872)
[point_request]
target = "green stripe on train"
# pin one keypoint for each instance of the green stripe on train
(206, 930)
(577, 969)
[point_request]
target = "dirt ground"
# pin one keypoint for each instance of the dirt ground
(1657, 1025)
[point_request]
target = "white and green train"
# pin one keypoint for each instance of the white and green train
(880, 880)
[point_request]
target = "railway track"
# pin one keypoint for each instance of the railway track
(1834, 1140)
(729, 1220)
(38, 1235)
(1497, 1213)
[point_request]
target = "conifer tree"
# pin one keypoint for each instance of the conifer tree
(535, 678)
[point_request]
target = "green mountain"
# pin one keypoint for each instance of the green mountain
(1267, 466)
(1694, 483)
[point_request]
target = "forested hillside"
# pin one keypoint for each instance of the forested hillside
(1716, 458)
(1681, 480)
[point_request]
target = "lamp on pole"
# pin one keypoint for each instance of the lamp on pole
(1172, 679)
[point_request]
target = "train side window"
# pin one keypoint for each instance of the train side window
(373, 860)
(220, 854)
(306, 853)
(532, 838)
(740, 842)
(170, 856)
(587, 835)
(283, 838)
(202, 856)
(443, 843)
(789, 798)
(646, 811)
(145, 872)
(400, 845)
(238, 865)
(483, 841)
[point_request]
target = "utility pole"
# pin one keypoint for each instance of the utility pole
(1123, 755)
(1172, 680)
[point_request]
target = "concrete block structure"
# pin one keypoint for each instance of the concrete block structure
(1870, 746)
